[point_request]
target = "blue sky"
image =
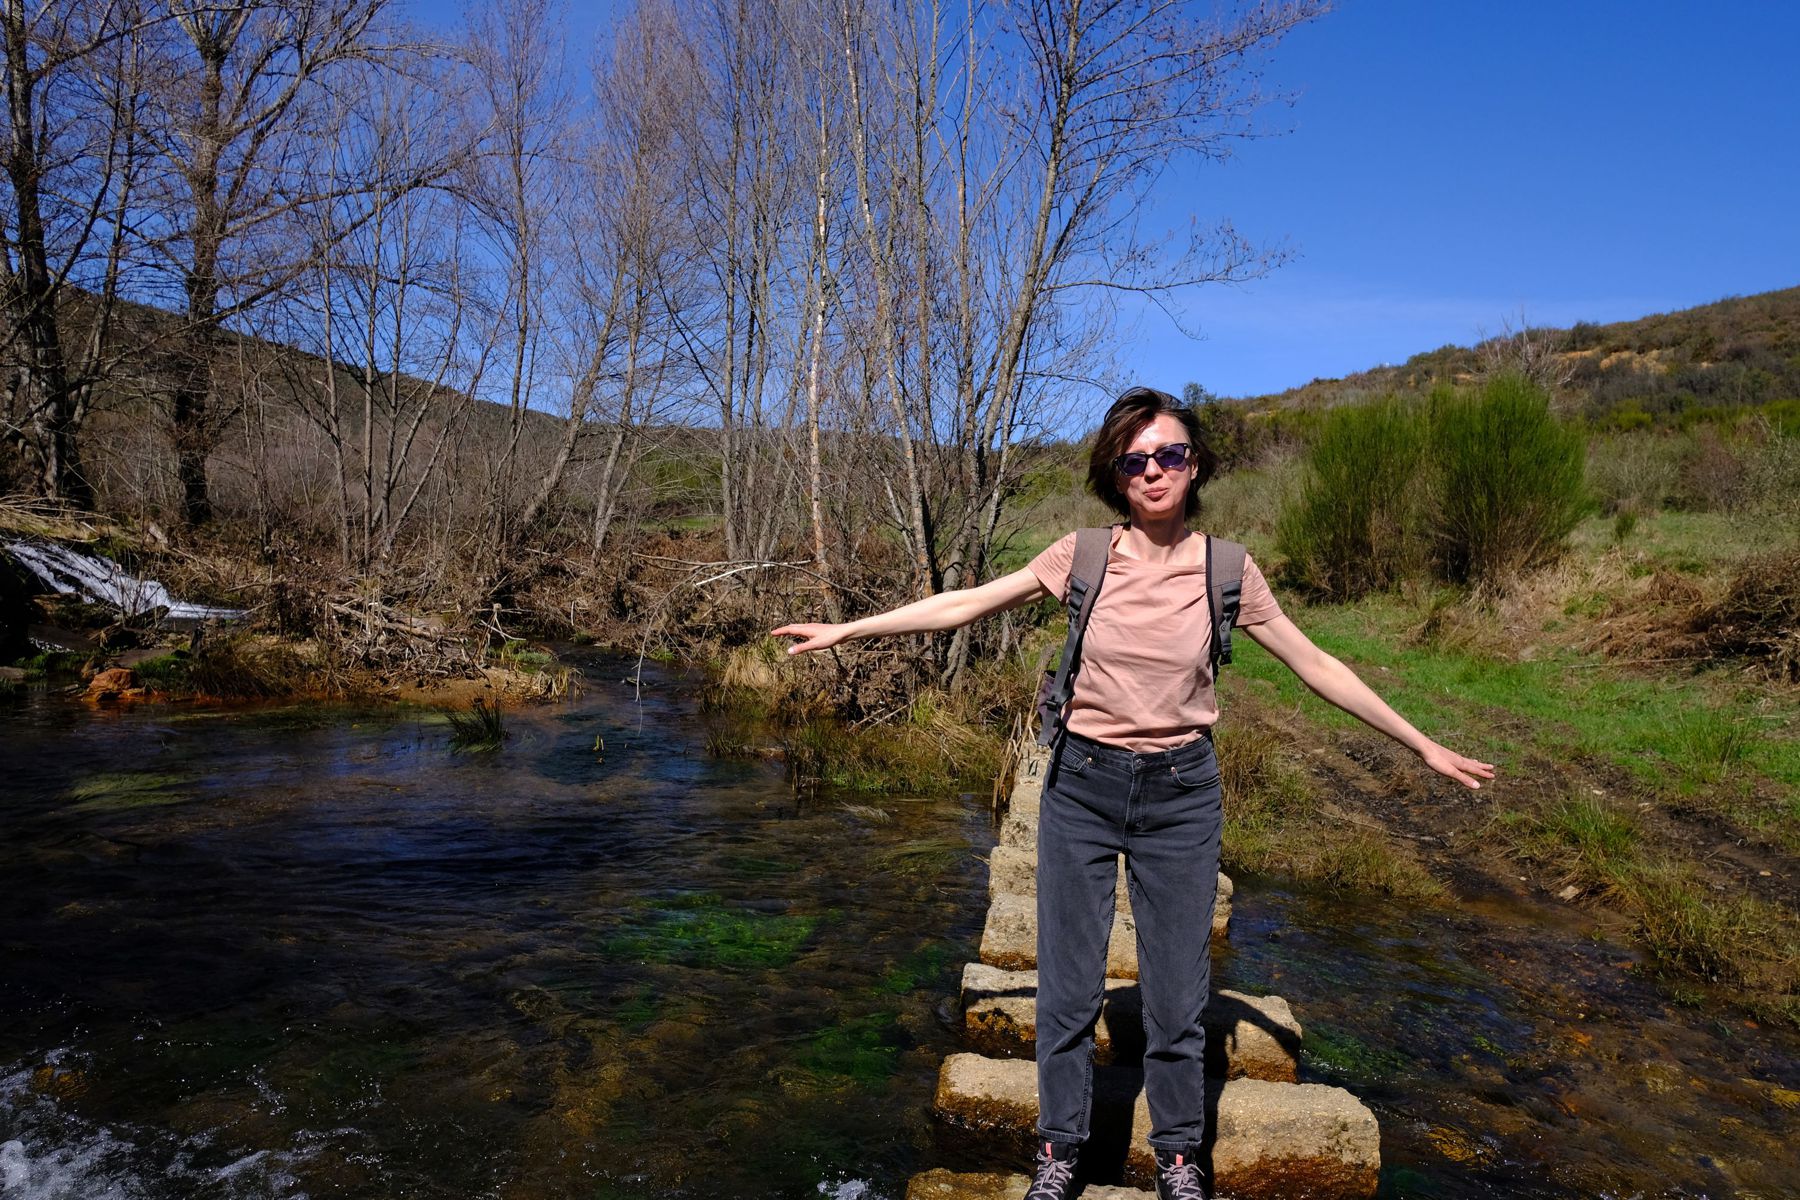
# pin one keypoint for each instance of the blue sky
(1447, 166)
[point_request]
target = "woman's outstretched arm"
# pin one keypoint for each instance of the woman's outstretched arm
(946, 610)
(1332, 680)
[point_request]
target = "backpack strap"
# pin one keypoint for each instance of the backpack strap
(1086, 574)
(1224, 595)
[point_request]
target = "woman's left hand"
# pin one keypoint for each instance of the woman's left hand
(1450, 763)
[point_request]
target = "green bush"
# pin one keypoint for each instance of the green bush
(1350, 532)
(1508, 481)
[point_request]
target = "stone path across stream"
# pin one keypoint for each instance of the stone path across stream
(1268, 1135)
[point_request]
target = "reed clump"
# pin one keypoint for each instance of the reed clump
(481, 729)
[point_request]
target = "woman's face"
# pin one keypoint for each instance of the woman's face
(1157, 493)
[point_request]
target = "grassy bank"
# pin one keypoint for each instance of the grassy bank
(1638, 772)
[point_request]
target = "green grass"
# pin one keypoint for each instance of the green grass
(1593, 846)
(1746, 944)
(927, 754)
(45, 663)
(1692, 737)
(165, 673)
(517, 653)
(1684, 541)
(1274, 824)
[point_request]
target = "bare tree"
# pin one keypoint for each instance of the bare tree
(383, 305)
(73, 83)
(1007, 184)
(1522, 349)
(243, 88)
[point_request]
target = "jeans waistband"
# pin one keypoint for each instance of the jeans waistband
(1132, 760)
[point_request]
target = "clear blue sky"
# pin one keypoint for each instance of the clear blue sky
(1447, 166)
(1450, 164)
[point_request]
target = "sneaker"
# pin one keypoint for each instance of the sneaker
(1178, 1176)
(1054, 1178)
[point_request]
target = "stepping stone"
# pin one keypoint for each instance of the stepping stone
(1254, 1037)
(1267, 1140)
(1019, 830)
(948, 1185)
(1014, 871)
(1010, 938)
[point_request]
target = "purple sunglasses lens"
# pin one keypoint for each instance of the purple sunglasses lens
(1167, 457)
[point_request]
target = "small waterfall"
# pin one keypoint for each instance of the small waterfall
(98, 578)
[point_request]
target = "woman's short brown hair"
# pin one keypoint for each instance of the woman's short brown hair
(1124, 421)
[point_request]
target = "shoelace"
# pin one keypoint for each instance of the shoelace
(1183, 1181)
(1052, 1180)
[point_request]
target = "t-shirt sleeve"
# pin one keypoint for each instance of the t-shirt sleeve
(1052, 567)
(1257, 603)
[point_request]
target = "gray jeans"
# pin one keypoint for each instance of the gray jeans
(1161, 811)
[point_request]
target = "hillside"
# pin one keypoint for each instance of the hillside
(1699, 363)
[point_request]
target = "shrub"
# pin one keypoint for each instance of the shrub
(1636, 472)
(1509, 481)
(1349, 531)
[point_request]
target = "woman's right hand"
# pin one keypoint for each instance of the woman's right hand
(813, 637)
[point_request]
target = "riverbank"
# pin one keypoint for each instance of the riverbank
(265, 951)
(1656, 793)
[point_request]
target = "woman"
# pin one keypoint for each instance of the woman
(1134, 774)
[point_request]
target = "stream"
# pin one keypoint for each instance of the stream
(309, 951)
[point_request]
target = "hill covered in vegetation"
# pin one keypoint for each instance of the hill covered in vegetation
(1716, 362)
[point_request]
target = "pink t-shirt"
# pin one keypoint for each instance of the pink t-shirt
(1144, 682)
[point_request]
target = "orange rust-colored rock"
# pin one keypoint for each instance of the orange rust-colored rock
(111, 684)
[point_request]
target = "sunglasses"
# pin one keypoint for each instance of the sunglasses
(1172, 457)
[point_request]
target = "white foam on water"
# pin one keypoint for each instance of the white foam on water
(51, 1154)
(98, 578)
(848, 1189)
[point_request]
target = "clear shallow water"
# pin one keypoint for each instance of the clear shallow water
(278, 953)
(319, 938)
(1508, 1052)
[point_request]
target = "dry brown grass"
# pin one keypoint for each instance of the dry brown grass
(1758, 616)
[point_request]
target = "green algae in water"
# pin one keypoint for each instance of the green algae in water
(1404, 1182)
(701, 930)
(748, 867)
(1336, 1052)
(922, 966)
(865, 1049)
(639, 1009)
(923, 859)
(128, 789)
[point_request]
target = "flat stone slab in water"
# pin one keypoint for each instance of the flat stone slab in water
(1009, 940)
(948, 1185)
(1253, 1037)
(1013, 870)
(1268, 1141)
